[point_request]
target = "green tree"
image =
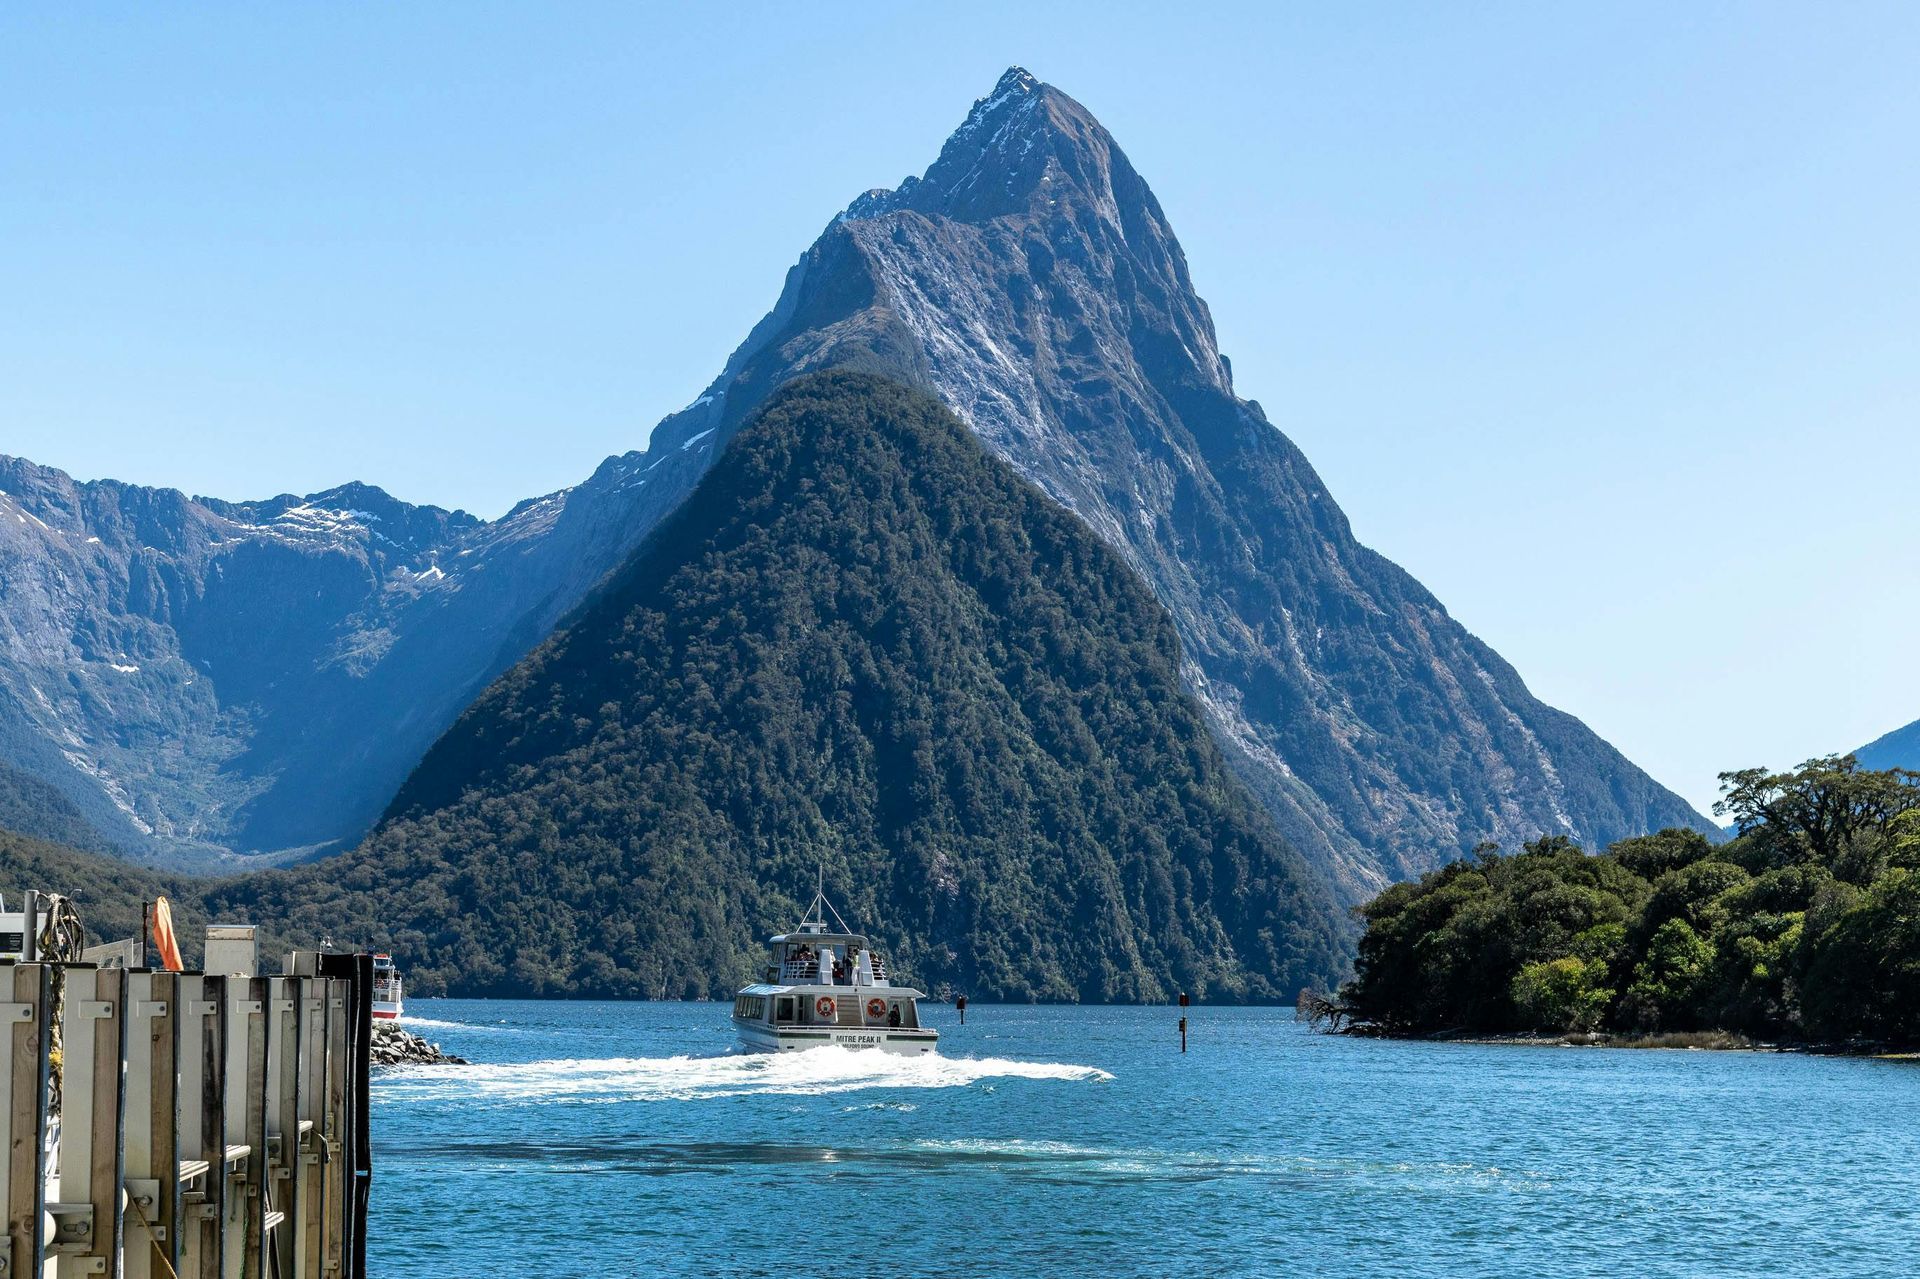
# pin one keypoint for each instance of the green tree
(1804, 923)
(1863, 972)
(1665, 982)
(1563, 994)
(1818, 811)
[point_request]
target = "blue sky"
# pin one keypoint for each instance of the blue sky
(1605, 322)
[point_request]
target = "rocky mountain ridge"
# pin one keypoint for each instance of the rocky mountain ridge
(204, 677)
(295, 662)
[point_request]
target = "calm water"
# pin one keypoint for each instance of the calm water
(624, 1139)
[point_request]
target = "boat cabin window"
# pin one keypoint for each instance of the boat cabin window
(750, 1007)
(783, 1009)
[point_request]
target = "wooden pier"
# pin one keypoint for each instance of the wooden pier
(204, 1125)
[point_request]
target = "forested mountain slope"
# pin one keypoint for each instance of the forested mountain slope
(1898, 749)
(864, 647)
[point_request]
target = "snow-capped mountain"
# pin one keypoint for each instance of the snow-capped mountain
(1030, 280)
(296, 657)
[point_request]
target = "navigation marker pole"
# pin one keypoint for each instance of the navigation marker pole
(1183, 1021)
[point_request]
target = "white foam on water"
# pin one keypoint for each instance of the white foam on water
(684, 1078)
(410, 1020)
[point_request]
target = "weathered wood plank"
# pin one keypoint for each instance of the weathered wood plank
(202, 1128)
(283, 1112)
(244, 1214)
(88, 1218)
(338, 1119)
(151, 1237)
(23, 1112)
(309, 1205)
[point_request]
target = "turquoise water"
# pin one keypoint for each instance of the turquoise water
(625, 1139)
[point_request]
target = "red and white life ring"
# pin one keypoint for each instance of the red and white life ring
(824, 1005)
(876, 1008)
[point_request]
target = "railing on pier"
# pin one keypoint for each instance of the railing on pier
(230, 1110)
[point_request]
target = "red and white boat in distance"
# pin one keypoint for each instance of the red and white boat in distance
(386, 989)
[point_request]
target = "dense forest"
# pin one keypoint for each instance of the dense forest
(865, 648)
(1805, 926)
(107, 892)
(31, 807)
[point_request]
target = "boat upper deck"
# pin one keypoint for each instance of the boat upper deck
(815, 954)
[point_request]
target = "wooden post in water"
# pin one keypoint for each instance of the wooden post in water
(1183, 1021)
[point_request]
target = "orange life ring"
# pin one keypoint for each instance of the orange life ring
(824, 1005)
(876, 1008)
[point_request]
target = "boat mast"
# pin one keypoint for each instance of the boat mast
(820, 908)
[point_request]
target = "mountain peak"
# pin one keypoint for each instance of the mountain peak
(1016, 80)
(1016, 84)
(1016, 146)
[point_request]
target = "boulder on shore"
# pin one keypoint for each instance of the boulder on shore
(393, 1046)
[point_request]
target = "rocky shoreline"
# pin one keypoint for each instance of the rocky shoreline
(393, 1046)
(1699, 1040)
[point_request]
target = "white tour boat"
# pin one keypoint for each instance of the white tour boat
(386, 989)
(825, 987)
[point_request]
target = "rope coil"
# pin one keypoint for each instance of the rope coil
(62, 940)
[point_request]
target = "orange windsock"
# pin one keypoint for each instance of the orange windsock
(163, 939)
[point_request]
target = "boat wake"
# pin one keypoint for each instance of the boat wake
(684, 1078)
(437, 1024)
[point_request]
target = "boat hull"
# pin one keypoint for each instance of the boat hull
(756, 1037)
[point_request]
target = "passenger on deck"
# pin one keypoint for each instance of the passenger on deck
(839, 972)
(893, 1017)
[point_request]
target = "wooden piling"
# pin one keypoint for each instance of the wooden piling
(150, 1234)
(87, 1218)
(24, 1066)
(202, 1126)
(245, 1159)
(209, 1126)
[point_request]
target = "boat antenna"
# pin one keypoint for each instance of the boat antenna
(818, 911)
